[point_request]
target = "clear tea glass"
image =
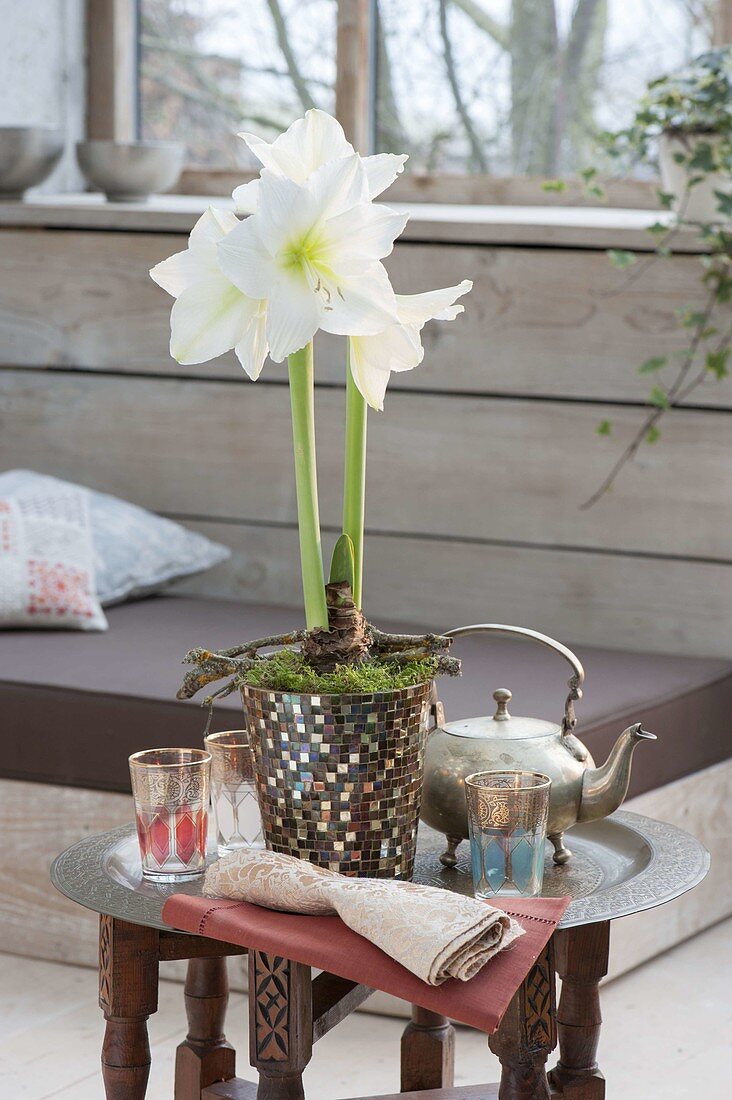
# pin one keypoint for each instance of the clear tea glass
(234, 792)
(170, 789)
(507, 819)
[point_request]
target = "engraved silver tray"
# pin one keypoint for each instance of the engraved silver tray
(621, 865)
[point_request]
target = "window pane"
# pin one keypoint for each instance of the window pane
(515, 87)
(209, 68)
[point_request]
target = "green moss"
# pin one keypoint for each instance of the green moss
(289, 671)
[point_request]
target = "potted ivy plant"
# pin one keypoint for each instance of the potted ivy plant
(684, 120)
(689, 112)
(337, 711)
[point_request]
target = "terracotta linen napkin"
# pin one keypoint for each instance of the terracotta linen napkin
(435, 934)
(327, 943)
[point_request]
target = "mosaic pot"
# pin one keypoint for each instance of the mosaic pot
(339, 777)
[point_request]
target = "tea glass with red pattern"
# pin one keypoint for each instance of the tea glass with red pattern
(170, 789)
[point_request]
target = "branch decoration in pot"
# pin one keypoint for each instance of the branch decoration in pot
(338, 713)
(684, 122)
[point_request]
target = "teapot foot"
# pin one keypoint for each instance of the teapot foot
(449, 856)
(561, 854)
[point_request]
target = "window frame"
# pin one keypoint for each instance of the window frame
(113, 112)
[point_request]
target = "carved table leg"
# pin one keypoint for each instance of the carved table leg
(280, 1024)
(128, 994)
(428, 1052)
(205, 1057)
(582, 959)
(527, 1034)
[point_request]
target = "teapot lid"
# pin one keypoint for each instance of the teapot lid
(502, 724)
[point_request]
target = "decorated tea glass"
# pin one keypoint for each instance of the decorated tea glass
(234, 792)
(170, 789)
(507, 819)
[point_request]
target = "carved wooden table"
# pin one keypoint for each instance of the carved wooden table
(621, 865)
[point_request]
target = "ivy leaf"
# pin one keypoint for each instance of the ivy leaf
(666, 199)
(652, 434)
(657, 229)
(692, 318)
(656, 362)
(620, 258)
(588, 173)
(659, 398)
(724, 204)
(554, 185)
(716, 362)
(605, 427)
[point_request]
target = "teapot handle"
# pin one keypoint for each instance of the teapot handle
(569, 721)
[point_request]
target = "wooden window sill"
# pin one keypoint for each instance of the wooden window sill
(534, 226)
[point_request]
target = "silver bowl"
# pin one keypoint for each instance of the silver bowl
(28, 154)
(129, 171)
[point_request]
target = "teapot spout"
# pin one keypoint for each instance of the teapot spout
(604, 788)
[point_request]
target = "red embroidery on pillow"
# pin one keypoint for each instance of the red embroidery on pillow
(56, 589)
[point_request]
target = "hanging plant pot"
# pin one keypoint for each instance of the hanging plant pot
(339, 777)
(699, 203)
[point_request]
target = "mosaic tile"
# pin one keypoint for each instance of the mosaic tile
(340, 777)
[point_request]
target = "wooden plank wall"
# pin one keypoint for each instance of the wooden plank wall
(477, 467)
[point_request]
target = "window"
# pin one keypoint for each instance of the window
(477, 88)
(210, 68)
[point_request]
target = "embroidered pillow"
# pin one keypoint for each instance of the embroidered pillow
(136, 552)
(47, 561)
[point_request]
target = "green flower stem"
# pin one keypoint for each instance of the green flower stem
(302, 399)
(354, 480)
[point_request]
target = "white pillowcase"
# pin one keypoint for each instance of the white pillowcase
(47, 561)
(136, 553)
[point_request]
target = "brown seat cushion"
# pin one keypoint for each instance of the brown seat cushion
(74, 705)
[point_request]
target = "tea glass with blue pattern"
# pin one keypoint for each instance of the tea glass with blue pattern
(507, 820)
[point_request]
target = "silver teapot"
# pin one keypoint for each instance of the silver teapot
(580, 791)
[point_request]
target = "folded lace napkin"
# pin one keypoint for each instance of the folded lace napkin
(432, 932)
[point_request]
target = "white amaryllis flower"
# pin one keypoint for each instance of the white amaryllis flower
(211, 315)
(307, 145)
(399, 347)
(313, 252)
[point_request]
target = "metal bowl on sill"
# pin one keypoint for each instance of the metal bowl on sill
(130, 171)
(28, 155)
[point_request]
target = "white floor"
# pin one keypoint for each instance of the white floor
(667, 1034)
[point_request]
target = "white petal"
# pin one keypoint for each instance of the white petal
(208, 319)
(306, 145)
(361, 235)
(245, 261)
(338, 185)
(179, 272)
(371, 381)
(382, 169)
(251, 351)
(211, 227)
(285, 212)
(417, 309)
(246, 197)
(361, 306)
(293, 316)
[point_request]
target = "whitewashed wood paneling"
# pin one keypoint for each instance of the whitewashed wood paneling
(559, 323)
(468, 467)
(611, 600)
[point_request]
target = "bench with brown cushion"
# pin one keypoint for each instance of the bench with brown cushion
(75, 705)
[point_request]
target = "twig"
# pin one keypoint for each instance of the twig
(675, 396)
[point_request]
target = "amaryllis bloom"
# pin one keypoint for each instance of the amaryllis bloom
(313, 252)
(211, 315)
(399, 347)
(307, 145)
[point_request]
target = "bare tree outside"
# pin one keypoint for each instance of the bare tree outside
(508, 87)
